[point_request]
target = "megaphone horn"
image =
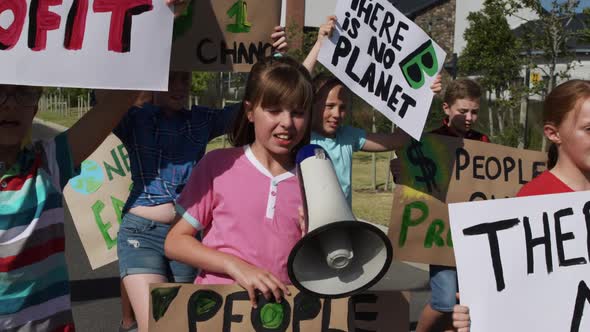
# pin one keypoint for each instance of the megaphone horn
(339, 256)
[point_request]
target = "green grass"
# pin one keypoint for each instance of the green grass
(55, 117)
(367, 204)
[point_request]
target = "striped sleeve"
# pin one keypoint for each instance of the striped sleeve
(59, 160)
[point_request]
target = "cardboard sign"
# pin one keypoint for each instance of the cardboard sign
(440, 170)
(186, 307)
(224, 35)
(86, 43)
(385, 59)
(96, 198)
(523, 263)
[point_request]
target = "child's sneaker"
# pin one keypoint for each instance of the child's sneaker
(132, 328)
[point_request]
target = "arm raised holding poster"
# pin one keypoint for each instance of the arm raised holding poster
(330, 108)
(390, 66)
(32, 178)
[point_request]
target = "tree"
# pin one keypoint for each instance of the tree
(548, 35)
(493, 53)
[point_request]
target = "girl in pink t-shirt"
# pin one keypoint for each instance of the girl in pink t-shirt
(566, 117)
(246, 198)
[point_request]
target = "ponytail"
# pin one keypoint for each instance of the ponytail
(552, 155)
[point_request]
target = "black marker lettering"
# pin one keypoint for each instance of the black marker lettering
(460, 152)
(388, 22)
(491, 229)
(306, 307)
(581, 299)
(228, 316)
(498, 168)
(408, 101)
(477, 164)
(398, 37)
(561, 237)
(369, 78)
(343, 47)
(374, 16)
(532, 242)
(508, 167)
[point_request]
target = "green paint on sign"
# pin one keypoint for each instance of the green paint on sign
(422, 61)
(161, 300)
(272, 315)
(184, 22)
(205, 304)
(90, 179)
(239, 10)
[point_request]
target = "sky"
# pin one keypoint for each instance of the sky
(583, 4)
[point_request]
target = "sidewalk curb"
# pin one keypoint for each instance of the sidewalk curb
(51, 125)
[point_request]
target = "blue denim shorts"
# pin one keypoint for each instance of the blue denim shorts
(140, 246)
(443, 286)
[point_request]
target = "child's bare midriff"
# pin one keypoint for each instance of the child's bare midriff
(163, 213)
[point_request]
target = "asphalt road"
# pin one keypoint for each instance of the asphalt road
(95, 294)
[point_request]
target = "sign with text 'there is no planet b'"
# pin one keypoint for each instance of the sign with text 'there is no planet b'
(386, 59)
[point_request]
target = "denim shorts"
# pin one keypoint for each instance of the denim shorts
(443, 286)
(140, 246)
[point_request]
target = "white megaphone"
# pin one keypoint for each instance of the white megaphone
(339, 256)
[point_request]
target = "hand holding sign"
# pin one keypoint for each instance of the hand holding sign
(391, 66)
(253, 278)
(185, 307)
(279, 40)
(518, 257)
(461, 318)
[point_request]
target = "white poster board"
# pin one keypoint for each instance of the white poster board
(123, 44)
(386, 59)
(523, 263)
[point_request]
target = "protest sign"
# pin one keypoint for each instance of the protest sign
(440, 170)
(186, 307)
(385, 59)
(224, 35)
(523, 262)
(86, 43)
(96, 198)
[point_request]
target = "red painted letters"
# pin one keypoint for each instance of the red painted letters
(9, 36)
(76, 25)
(42, 20)
(122, 12)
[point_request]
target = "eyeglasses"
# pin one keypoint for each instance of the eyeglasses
(27, 97)
(422, 60)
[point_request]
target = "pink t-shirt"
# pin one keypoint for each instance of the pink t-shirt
(243, 210)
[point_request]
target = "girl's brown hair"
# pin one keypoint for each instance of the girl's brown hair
(273, 81)
(324, 81)
(563, 99)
